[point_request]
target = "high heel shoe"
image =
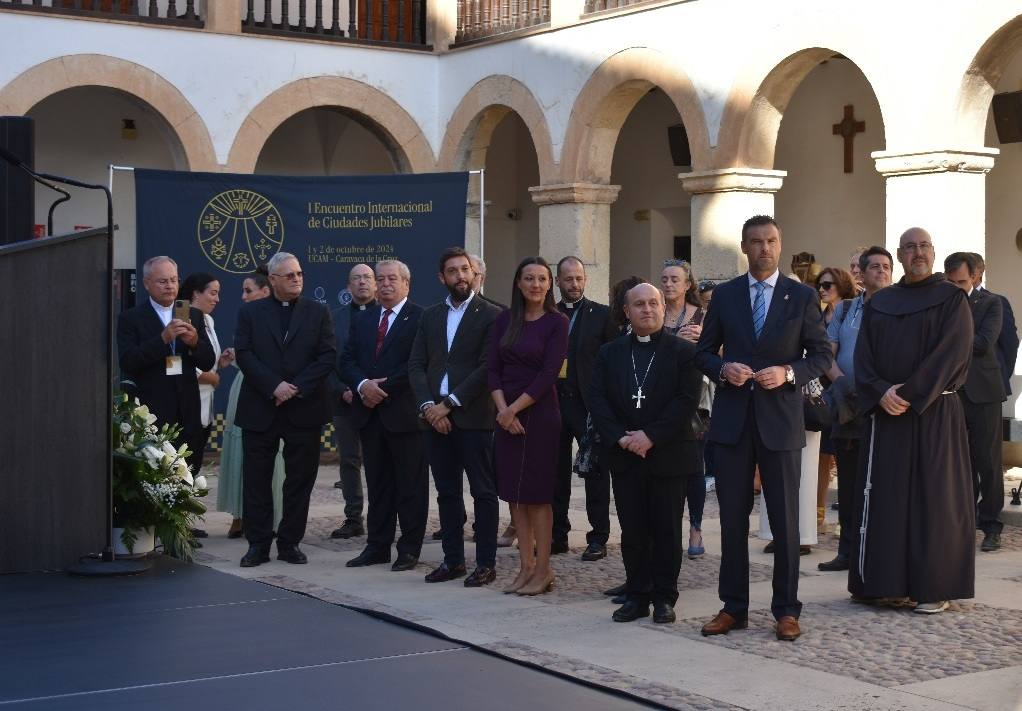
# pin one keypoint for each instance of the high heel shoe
(517, 584)
(544, 586)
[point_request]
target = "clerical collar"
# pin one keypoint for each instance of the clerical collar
(651, 338)
(285, 303)
(362, 307)
(571, 304)
(643, 339)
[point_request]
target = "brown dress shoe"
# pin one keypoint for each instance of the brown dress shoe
(788, 629)
(722, 624)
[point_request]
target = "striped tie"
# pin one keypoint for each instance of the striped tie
(759, 308)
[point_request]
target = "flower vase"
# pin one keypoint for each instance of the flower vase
(145, 543)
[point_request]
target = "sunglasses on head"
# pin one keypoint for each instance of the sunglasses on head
(706, 285)
(675, 263)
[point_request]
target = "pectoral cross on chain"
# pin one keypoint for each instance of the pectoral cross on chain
(638, 397)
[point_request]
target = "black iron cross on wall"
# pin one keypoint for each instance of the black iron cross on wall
(847, 130)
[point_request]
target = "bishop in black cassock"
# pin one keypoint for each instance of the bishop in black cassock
(643, 397)
(914, 497)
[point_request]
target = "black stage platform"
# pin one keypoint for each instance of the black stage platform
(187, 637)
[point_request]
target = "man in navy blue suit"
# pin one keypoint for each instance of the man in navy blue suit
(384, 411)
(763, 339)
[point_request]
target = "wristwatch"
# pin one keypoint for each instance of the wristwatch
(789, 374)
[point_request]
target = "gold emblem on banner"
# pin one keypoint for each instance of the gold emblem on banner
(240, 229)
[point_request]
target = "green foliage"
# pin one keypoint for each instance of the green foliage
(152, 484)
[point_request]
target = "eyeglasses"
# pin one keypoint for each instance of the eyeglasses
(675, 263)
(825, 285)
(913, 247)
(290, 276)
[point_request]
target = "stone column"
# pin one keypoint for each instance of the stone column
(722, 200)
(574, 218)
(224, 16)
(942, 191)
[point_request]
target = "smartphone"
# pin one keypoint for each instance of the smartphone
(183, 310)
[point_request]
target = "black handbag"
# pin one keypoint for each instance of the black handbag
(817, 413)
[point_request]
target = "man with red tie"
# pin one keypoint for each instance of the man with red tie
(375, 367)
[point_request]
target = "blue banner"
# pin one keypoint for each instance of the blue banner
(227, 224)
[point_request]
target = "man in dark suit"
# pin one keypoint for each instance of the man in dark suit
(645, 390)
(590, 327)
(158, 353)
(375, 367)
(285, 348)
(1007, 340)
(774, 342)
(447, 371)
(981, 397)
(362, 287)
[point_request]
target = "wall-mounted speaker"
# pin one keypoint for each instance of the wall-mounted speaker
(1007, 109)
(17, 193)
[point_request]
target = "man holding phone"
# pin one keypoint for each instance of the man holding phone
(160, 343)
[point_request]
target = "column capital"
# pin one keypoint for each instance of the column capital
(728, 180)
(567, 193)
(947, 160)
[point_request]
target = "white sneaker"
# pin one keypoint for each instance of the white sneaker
(931, 608)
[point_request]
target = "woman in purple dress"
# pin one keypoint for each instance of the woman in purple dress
(528, 345)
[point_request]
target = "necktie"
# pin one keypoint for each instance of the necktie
(759, 308)
(381, 331)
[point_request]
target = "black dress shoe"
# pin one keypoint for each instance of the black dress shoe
(199, 533)
(594, 551)
(338, 485)
(616, 590)
(349, 529)
(438, 535)
(255, 556)
(443, 573)
(368, 556)
(631, 611)
(663, 613)
(557, 547)
(405, 561)
(620, 599)
(991, 542)
(839, 563)
(482, 575)
(291, 554)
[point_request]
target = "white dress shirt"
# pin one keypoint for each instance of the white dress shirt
(396, 311)
(768, 293)
(166, 313)
(205, 389)
(454, 316)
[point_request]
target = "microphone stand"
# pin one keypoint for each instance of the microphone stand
(106, 564)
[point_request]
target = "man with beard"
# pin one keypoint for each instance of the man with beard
(589, 328)
(645, 391)
(914, 492)
(982, 396)
(362, 287)
(447, 372)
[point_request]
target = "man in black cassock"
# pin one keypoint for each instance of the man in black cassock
(914, 497)
(643, 397)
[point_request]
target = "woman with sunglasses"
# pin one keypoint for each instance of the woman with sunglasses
(833, 286)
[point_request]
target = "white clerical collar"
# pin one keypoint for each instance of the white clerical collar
(770, 281)
(572, 304)
(643, 339)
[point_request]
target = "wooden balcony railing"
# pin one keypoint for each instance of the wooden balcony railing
(485, 18)
(389, 22)
(592, 6)
(164, 12)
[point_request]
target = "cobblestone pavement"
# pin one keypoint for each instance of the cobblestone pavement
(862, 656)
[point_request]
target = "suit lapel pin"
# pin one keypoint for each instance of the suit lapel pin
(786, 297)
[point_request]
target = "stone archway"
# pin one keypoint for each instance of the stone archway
(607, 99)
(471, 126)
(755, 106)
(95, 70)
(981, 78)
(393, 124)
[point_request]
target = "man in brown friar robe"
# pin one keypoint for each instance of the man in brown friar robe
(914, 498)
